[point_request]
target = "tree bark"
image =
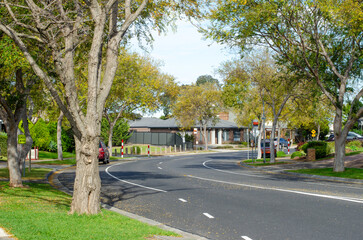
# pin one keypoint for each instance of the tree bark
(87, 184)
(13, 157)
(272, 143)
(340, 138)
(59, 136)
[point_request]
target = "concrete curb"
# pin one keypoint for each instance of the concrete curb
(316, 177)
(53, 180)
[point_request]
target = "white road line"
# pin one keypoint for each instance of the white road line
(160, 162)
(355, 200)
(246, 238)
(182, 200)
(159, 167)
(142, 186)
(260, 176)
(208, 215)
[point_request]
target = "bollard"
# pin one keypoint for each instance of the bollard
(148, 150)
(175, 148)
(180, 148)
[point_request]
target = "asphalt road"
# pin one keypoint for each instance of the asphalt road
(212, 196)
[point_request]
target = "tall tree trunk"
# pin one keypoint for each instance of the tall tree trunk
(110, 136)
(272, 143)
(87, 184)
(340, 138)
(278, 135)
(59, 136)
(259, 139)
(318, 133)
(13, 157)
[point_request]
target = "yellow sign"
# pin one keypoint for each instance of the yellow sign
(313, 131)
(313, 135)
(21, 139)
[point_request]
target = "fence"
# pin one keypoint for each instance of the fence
(158, 139)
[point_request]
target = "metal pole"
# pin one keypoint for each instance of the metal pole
(248, 143)
(264, 132)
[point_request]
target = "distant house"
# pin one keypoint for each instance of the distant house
(222, 132)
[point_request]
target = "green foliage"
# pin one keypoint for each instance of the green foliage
(120, 131)
(3, 145)
(68, 143)
(224, 147)
(52, 146)
(355, 143)
(321, 148)
(331, 147)
(40, 135)
(244, 144)
(298, 154)
(280, 154)
(206, 79)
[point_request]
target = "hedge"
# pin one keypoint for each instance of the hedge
(321, 148)
(3, 145)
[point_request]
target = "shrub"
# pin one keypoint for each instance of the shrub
(281, 154)
(224, 147)
(40, 135)
(331, 147)
(321, 148)
(3, 145)
(298, 154)
(52, 146)
(244, 144)
(299, 145)
(355, 143)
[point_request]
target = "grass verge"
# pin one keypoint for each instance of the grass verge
(41, 212)
(53, 155)
(354, 173)
(259, 162)
(35, 174)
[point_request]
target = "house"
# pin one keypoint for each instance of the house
(222, 132)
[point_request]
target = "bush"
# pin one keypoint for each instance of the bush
(298, 154)
(224, 147)
(138, 150)
(299, 145)
(244, 144)
(281, 154)
(355, 143)
(52, 146)
(321, 148)
(3, 145)
(331, 147)
(40, 135)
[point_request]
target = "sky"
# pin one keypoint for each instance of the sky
(185, 55)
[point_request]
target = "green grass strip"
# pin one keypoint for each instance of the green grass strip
(35, 174)
(41, 212)
(54, 155)
(354, 173)
(259, 162)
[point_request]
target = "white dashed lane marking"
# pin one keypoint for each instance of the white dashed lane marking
(182, 200)
(208, 215)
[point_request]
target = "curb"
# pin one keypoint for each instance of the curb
(303, 175)
(53, 181)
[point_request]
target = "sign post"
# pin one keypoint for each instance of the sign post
(122, 148)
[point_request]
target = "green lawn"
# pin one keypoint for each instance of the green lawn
(54, 155)
(259, 162)
(355, 173)
(35, 174)
(41, 212)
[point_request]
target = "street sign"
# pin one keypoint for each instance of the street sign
(195, 130)
(255, 122)
(313, 133)
(255, 132)
(21, 139)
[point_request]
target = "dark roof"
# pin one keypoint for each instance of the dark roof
(147, 122)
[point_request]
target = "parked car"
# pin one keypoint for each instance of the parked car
(350, 136)
(267, 148)
(103, 154)
(283, 142)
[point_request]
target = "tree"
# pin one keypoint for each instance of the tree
(319, 40)
(14, 93)
(198, 104)
(206, 79)
(138, 85)
(66, 31)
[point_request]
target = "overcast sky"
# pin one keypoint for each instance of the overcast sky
(185, 54)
